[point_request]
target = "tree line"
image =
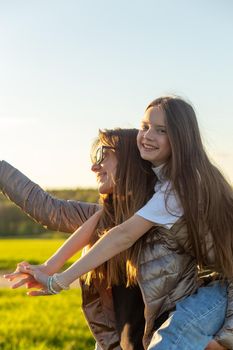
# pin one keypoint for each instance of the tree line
(13, 222)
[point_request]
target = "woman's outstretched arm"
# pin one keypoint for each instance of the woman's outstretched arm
(56, 214)
(78, 240)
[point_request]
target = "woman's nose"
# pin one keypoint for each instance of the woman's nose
(95, 167)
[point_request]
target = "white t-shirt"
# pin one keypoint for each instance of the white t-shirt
(164, 207)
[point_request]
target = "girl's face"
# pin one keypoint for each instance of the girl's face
(104, 167)
(152, 139)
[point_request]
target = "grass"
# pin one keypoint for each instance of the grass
(35, 251)
(39, 323)
(42, 323)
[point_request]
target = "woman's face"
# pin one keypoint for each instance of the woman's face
(152, 139)
(104, 167)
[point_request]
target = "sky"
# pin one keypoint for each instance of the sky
(68, 68)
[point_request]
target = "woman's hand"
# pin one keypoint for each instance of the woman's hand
(31, 276)
(39, 276)
(214, 345)
(22, 278)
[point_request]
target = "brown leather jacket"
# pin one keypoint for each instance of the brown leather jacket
(167, 270)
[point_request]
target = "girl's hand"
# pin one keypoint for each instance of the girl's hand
(24, 277)
(40, 277)
(214, 345)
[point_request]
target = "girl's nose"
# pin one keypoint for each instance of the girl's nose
(95, 167)
(149, 135)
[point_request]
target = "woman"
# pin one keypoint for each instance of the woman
(119, 161)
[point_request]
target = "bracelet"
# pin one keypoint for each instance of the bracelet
(59, 283)
(51, 290)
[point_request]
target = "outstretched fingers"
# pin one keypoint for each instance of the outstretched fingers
(11, 276)
(19, 272)
(21, 282)
(32, 277)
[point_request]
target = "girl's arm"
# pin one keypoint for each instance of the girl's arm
(112, 243)
(79, 239)
(56, 214)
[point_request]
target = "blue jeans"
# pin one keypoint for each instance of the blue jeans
(195, 321)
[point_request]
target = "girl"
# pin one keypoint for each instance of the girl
(189, 191)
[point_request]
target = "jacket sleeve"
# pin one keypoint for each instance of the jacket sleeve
(55, 214)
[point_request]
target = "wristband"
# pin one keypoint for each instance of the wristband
(51, 290)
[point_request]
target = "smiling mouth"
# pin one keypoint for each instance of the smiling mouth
(149, 147)
(100, 177)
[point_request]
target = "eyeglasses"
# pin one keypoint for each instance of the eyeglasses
(98, 156)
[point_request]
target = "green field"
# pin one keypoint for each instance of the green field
(35, 251)
(42, 323)
(39, 323)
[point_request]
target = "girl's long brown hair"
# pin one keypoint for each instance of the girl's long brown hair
(206, 197)
(134, 185)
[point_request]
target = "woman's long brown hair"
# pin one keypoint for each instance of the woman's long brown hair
(134, 185)
(206, 196)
